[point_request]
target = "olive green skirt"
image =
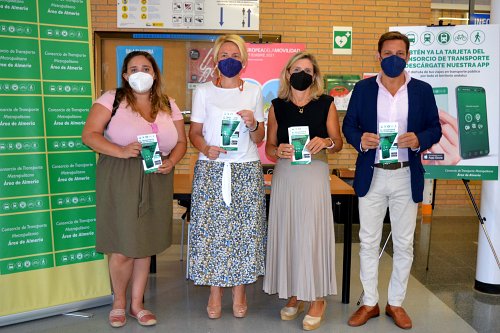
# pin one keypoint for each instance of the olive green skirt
(133, 209)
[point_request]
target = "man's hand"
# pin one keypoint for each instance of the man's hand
(408, 140)
(369, 141)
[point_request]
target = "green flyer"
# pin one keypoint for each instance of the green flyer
(230, 133)
(150, 152)
(388, 132)
(299, 137)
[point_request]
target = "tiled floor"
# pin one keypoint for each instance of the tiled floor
(440, 299)
(452, 270)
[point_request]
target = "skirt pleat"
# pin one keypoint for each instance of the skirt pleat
(301, 242)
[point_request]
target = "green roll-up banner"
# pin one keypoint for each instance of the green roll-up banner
(48, 260)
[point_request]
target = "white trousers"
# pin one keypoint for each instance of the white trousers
(389, 188)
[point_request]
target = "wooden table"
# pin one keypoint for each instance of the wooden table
(183, 188)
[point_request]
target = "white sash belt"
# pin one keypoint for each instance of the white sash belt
(226, 183)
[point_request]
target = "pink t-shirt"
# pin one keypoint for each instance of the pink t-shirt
(126, 124)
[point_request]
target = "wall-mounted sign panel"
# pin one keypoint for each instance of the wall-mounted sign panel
(195, 14)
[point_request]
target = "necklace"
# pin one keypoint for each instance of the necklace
(218, 83)
(301, 108)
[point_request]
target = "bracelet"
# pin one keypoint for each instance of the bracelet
(255, 128)
(332, 145)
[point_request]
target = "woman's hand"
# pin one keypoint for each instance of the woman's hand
(317, 144)
(284, 150)
(248, 118)
(213, 152)
(166, 167)
(131, 150)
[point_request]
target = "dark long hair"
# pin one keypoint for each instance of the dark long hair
(159, 100)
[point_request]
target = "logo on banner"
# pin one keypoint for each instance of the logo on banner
(444, 38)
(427, 38)
(412, 37)
(477, 37)
(460, 37)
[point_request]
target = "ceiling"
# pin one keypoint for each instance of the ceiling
(462, 2)
(480, 5)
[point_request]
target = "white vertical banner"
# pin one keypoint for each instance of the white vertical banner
(461, 64)
(487, 269)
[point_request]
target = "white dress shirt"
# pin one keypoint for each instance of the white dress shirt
(393, 109)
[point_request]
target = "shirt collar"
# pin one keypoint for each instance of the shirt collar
(407, 78)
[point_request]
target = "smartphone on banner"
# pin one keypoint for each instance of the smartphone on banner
(472, 122)
(441, 96)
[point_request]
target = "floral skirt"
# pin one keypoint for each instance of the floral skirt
(227, 243)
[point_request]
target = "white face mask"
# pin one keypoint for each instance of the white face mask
(140, 82)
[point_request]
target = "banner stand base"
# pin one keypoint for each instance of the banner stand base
(79, 314)
(487, 288)
(55, 310)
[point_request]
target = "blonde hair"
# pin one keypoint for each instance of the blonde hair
(235, 39)
(316, 89)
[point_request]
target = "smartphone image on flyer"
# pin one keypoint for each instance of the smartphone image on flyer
(229, 133)
(472, 122)
(298, 136)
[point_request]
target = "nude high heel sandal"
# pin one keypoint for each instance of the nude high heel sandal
(215, 311)
(311, 323)
(240, 310)
(292, 312)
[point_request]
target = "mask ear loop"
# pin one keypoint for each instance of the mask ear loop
(241, 81)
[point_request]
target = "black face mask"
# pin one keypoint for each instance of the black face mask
(301, 80)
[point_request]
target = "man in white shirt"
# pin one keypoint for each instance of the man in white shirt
(394, 100)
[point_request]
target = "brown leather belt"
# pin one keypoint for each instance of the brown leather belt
(392, 166)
